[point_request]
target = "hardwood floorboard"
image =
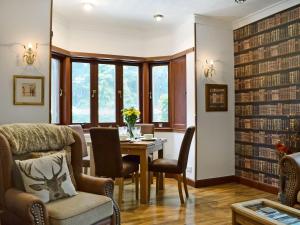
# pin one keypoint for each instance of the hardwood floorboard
(209, 205)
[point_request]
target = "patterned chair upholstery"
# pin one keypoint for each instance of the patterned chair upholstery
(21, 208)
(290, 180)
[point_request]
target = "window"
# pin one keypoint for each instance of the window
(55, 90)
(107, 93)
(131, 91)
(81, 106)
(160, 94)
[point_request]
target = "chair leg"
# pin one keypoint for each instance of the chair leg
(157, 183)
(179, 180)
(137, 177)
(150, 176)
(120, 182)
(185, 185)
(85, 170)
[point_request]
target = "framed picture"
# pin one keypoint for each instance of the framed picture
(28, 90)
(216, 97)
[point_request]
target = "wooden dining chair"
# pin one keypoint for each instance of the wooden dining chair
(108, 159)
(177, 167)
(85, 155)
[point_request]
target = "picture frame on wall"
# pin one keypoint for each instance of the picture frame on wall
(216, 97)
(28, 90)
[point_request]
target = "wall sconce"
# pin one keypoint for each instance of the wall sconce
(209, 69)
(29, 55)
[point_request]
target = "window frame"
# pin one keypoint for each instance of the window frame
(61, 78)
(94, 80)
(159, 124)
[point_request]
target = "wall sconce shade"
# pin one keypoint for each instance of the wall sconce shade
(30, 55)
(209, 69)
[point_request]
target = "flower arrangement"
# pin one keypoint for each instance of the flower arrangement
(282, 149)
(131, 116)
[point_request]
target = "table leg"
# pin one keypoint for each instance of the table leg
(161, 177)
(144, 177)
(92, 162)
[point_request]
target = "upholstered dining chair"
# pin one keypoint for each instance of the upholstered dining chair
(177, 167)
(108, 159)
(85, 155)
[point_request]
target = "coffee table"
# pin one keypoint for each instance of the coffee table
(264, 212)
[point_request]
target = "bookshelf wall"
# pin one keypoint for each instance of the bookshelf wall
(267, 94)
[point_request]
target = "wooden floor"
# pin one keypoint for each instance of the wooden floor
(205, 206)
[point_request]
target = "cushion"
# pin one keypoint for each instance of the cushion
(47, 177)
(25, 138)
(68, 151)
(82, 209)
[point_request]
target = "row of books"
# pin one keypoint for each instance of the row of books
(256, 151)
(289, 46)
(257, 165)
(268, 110)
(259, 177)
(262, 95)
(271, 22)
(267, 38)
(268, 124)
(273, 65)
(284, 78)
(261, 137)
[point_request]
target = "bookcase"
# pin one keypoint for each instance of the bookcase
(267, 94)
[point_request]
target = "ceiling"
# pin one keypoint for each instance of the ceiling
(139, 13)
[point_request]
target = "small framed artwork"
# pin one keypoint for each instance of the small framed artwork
(28, 90)
(216, 97)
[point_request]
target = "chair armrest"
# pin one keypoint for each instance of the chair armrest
(290, 178)
(100, 186)
(26, 206)
(95, 185)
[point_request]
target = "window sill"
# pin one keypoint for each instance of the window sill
(169, 129)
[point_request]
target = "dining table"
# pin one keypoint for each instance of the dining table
(141, 148)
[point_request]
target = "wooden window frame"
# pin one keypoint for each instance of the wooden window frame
(159, 125)
(94, 79)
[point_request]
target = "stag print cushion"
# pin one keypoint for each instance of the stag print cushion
(47, 177)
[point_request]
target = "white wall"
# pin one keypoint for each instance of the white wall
(20, 24)
(117, 40)
(215, 130)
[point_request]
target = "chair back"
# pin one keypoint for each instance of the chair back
(146, 128)
(79, 130)
(107, 152)
(185, 148)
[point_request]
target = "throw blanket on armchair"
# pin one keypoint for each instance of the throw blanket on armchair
(24, 138)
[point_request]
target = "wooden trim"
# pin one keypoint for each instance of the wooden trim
(169, 57)
(215, 181)
(106, 56)
(257, 185)
(67, 92)
(50, 65)
(65, 52)
(60, 51)
(146, 92)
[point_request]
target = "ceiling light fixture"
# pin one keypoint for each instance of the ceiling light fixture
(87, 6)
(158, 17)
(240, 1)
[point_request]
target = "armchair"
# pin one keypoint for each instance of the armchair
(290, 180)
(19, 207)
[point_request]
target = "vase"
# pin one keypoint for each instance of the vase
(130, 130)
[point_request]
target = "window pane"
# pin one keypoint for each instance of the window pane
(160, 101)
(131, 87)
(107, 93)
(81, 106)
(55, 88)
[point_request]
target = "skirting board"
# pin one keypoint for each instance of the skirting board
(229, 179)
